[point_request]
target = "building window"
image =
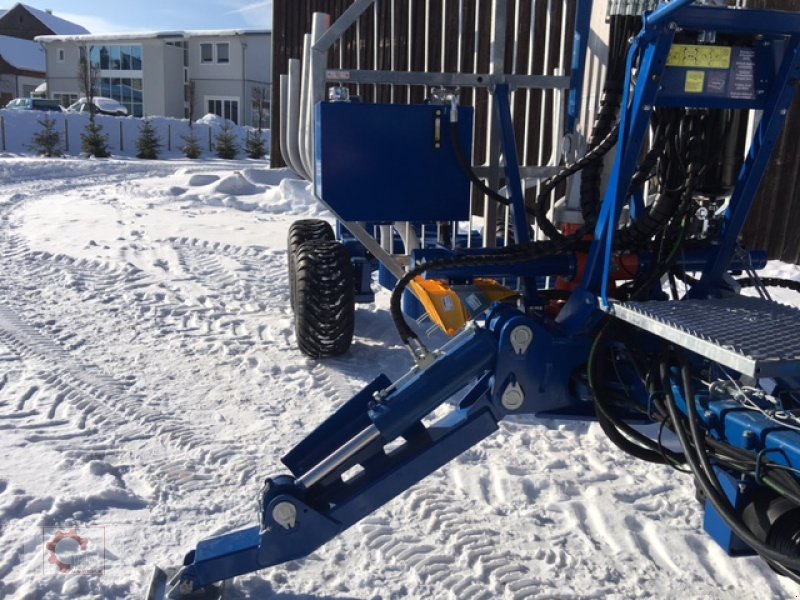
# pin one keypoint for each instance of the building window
(206, 53)
(60, 55)
(116, 58)
(227, 108)
(125, 90)
(223, 51)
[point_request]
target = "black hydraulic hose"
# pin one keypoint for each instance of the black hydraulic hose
(698, 437)
(467, 169)
(592, 177)
(719, 501)
(625, 437)
(788, 284)
(509, 256)
(542, 200)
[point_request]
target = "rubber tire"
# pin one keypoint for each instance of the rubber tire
(324, 299)
(300, 232)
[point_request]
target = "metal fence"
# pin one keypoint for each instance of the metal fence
(445, 36)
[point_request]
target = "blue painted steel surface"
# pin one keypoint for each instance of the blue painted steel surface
(481, 365)
(543, 372)
(342, 425)
(469, 358)
(513, 178)
(652, 45)
(401, 158)
(776, 107)
(583, 20)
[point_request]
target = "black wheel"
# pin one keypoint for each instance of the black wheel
(324, 311)
(300, 232)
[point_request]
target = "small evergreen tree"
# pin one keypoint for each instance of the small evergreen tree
(148, 143)
(254, 145)
(47, 141)
(94, 142)
(191, 147)
(225, 142)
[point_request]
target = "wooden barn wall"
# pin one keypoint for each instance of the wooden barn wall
(530, 49)
(773, 222)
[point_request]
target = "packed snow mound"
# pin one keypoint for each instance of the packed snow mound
(201, 179)
(212, 119)
(269, 176)
(236, 184)
(274, 191)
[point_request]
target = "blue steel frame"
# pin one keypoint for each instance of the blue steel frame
(482, 364)
(651, 47)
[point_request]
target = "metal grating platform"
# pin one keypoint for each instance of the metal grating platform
(753, 336)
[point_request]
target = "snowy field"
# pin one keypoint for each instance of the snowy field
(149, 382)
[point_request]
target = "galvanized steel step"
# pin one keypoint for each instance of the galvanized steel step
(753, 336)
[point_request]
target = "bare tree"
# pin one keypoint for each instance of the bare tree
(88, 79)
(191, 92)
(259, 102)
(94, 142)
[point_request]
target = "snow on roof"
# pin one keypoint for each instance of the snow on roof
(142, 35)
(57, 25)
(22, 54)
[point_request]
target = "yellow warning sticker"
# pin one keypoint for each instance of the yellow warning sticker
(703, 57)
(695, 81)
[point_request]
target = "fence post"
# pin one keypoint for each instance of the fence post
(3, 131)
(66, 135)
(121, 148)
(169, 137)
(210, 148)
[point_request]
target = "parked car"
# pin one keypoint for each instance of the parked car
(34, 104)
(100, 105)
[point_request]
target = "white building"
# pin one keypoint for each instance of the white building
(153, 73)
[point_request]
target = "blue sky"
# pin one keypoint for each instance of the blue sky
(106, 16)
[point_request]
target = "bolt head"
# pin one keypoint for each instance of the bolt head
(285, 514)
(185, 586)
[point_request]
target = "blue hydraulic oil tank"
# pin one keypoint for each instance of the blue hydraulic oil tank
(392, 162)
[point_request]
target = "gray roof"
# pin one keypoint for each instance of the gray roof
(24, 55)
(58, 25)
(142, 35)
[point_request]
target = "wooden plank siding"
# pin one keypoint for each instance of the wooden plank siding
(775, 217)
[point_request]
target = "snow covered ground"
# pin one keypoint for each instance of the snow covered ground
(149, 381)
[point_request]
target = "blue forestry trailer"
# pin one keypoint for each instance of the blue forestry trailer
(630, 314)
